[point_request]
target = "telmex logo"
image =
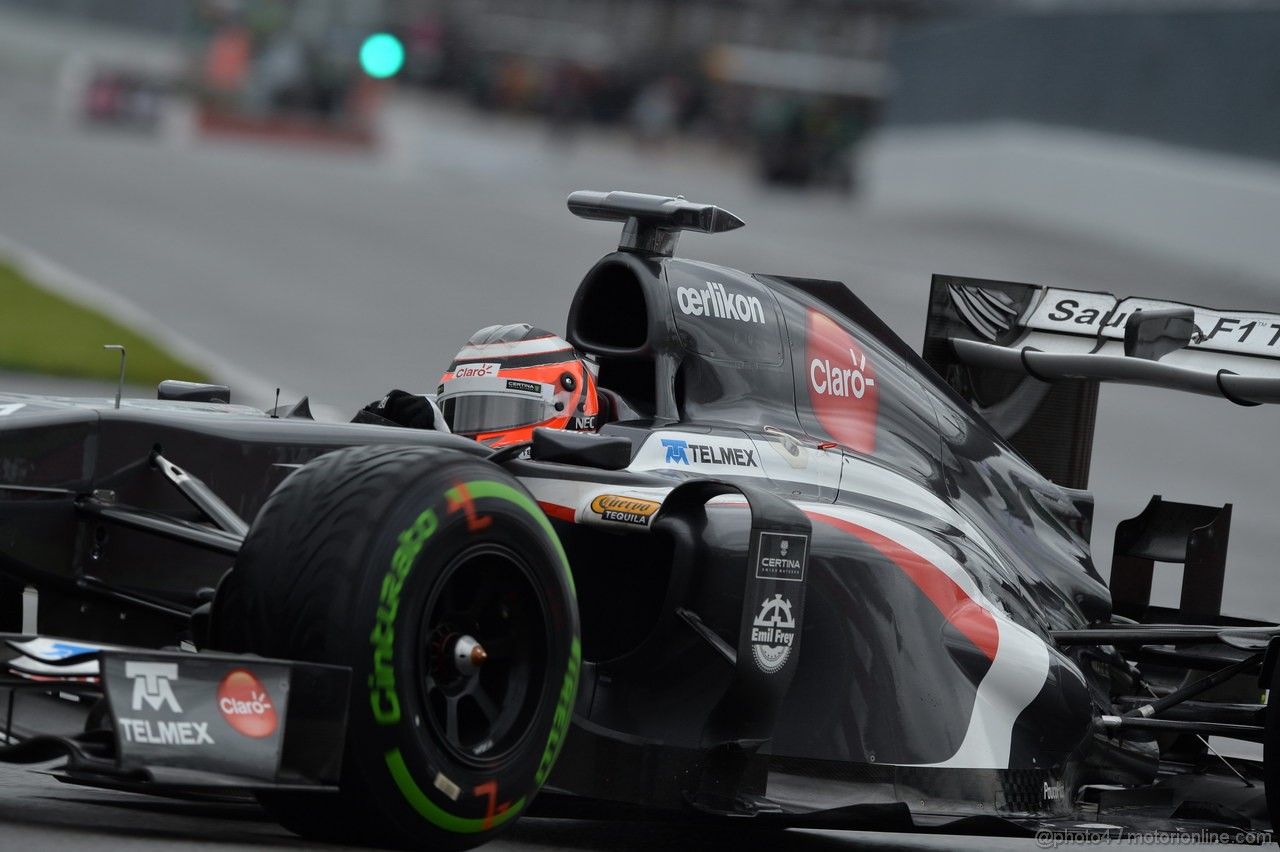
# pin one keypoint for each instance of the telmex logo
(245, 704)
(151, 685)
(717, 302)
(627, 510)
(474, 371)
(678, 452)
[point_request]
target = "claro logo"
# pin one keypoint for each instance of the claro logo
(716, 301)
(246, 706)
(476, 371)
(843, 389)
(831, 379)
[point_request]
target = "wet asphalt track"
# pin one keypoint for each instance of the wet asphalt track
(342, 276)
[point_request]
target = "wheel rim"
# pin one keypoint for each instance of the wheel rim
(482, 655)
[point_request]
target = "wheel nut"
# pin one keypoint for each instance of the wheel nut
(468, 655)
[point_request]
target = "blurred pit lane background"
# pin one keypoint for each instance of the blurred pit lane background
(277, 200)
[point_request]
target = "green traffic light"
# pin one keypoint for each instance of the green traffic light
(381, 55)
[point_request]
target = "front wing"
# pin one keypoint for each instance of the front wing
(172, 720)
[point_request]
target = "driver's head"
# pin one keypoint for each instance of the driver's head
(510, 378)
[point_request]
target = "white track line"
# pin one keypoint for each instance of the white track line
(58, 279)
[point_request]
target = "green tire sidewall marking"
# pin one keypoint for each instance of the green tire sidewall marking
(502, 491)
(404, 780)
(433, 813)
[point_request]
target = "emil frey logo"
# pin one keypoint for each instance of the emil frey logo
(717, 302)
(680, 451)
(772, 634)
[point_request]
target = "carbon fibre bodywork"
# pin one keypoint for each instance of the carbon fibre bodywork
(938, 560)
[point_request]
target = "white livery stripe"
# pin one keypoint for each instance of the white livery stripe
(513, 349)
(1018, 671)
(1015, 678)
(1017, 674)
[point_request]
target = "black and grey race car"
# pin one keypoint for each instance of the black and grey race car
(802, 575)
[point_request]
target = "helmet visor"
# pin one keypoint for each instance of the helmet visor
(477, 413)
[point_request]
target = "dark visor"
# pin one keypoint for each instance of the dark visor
(477, 413)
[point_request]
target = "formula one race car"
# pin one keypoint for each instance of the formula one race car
(802, 576)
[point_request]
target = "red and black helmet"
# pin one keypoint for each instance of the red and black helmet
(509, 379)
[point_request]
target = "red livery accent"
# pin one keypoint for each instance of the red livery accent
(843, 390)
(957, 607)
(246, 706)
(554, 510)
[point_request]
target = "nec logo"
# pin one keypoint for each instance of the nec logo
(151, 685)
(717, 302)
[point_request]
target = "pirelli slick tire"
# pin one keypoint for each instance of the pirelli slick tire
(438, 580)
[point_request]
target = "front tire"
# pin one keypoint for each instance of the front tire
(437, 579)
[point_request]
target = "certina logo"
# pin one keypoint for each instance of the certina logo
(626, 510)
(716, 301)
(527, 387)
(772, 634)
(476, 371)
(681, 452)
(151, 685)
(782, 556)
(245, 704)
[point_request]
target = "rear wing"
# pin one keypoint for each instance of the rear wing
(1029, 359)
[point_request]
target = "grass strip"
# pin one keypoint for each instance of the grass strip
(42, 332)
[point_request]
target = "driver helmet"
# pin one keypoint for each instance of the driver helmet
(509, 379)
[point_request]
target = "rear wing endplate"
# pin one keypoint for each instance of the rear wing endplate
(1030, 358)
